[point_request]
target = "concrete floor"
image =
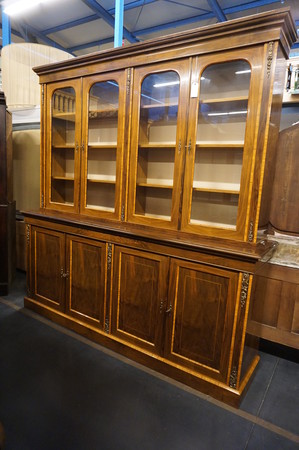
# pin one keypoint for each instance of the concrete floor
(59, 391)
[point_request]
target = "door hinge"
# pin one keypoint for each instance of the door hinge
(43, 94)
(42, 200)
(122, 216)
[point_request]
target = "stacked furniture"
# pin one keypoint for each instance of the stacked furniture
(156, 164)
(7, 204)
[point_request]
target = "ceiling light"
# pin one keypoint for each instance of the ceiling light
(230, 113)
(20, 6)
(169, 83)
(239, 72)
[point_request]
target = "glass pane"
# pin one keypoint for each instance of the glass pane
(102, 145)
(63, 145)
(221, 125)
(157, 143)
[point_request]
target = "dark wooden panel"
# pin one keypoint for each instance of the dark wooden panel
(284, 208)
(86, 287)
(202, 319)
(139, 299)
(266, 301)
(48, 256)
(275, 308)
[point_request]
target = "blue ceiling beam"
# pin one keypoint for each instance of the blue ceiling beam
(200, 17)
(6, 29)
(103, 14)
(44, 38)
(90, 44)
(217, 10)
(72, 24)
(92, 17)
(118, 23)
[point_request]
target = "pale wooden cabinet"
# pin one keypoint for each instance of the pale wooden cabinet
(156, 160)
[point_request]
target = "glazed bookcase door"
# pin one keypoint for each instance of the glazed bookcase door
(103, 143)
(160, 104)
(63, 145)
(222, 134)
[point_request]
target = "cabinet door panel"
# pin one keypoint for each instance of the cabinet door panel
(86, 288)
(200, 329)
(139, 298)
(48, 257)
(103, 140)
(223, 135)
(158, 136)
(63, 145)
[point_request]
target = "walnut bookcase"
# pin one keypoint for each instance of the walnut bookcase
(156, 159)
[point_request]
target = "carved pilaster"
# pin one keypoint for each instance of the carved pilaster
(269, 58)
(244, 289)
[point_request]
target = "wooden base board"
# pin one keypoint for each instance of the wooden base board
(202, 383)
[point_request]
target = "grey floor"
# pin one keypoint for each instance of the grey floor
(60, 391)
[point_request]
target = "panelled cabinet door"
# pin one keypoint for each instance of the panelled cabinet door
(160, 102)
(104, 98)
(200, 327)
(63, 145)
(139, 298)
(86, 280)
(48, 267)
(223, 124)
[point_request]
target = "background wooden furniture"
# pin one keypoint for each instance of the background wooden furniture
(275, 306)
(7, 205)
(143, 242)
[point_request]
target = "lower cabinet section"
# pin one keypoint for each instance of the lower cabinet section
(200, 326)
(68, 273)
(139, 289)
(171, 310)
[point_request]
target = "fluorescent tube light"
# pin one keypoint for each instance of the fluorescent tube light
(169, 83)
(239, 72)
(231, 113)
(20, 6)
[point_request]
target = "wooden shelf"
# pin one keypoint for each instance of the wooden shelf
(216, 144)
(101, 180)
(154, 145)
(103, 113)
(102, 145)
(100, 208)
(221, 188)
(67, 116)
(154, 185)
(61, 178)
(217, 191)
(205, 223)
(224, 100)
(64, 147)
